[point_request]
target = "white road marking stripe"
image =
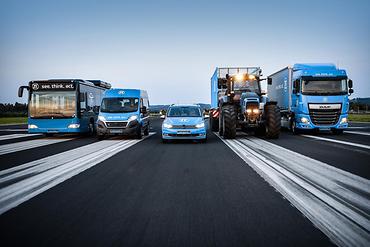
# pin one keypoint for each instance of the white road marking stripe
(337, 202)
(355, 127)
(20, 146)
(13, 130)
(338, 141)
(358, 133)
(46, 173)
(15, 136)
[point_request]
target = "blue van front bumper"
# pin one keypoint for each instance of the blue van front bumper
(173, 134)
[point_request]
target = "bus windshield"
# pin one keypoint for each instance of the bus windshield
(119, 105)
(46, 104)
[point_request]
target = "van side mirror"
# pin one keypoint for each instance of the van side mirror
(350, 83)
(143, 109)
(350, 91)
(96, 109)
(269, 81)
(20, 90)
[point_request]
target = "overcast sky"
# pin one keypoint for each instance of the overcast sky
(171, 48)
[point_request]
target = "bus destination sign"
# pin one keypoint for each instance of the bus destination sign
(52, 86)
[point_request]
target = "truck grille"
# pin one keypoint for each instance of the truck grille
(183, 127)
(116, 124)
(324, 116)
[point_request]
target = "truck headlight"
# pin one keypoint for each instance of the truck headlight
(74, 126)
(200, 125)
(101, 118)
(32, 126)
(343, 120)
(132, 118)
(304, 120)
(167, 126)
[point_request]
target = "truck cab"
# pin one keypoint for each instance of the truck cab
(312, 97)
(123, 112)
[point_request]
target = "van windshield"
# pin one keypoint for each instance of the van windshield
(119, 105)
(184, 111)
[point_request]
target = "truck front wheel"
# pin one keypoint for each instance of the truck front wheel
(229, 121)
(273, 121)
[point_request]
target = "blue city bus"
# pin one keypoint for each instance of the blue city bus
(63, 105)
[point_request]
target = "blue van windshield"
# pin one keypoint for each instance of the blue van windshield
(119, 105)
(184, 111)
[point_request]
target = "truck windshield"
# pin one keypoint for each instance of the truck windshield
(184, 111)
(119, 105)
(324, 87)
(246, 86)
(49, 104)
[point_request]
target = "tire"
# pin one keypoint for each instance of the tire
(48, 134)
(272, 121)
(146, 131)
(139, 133)
(101, 137)
(337, 131)
(229, 121)
(213, 123)
(220, 124)
(165, 141)
(91, 131)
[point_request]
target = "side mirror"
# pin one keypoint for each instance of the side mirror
(350, 83)
(269, 81)
(350, 91)
(96, 109)
(143, 110)
(20, 90)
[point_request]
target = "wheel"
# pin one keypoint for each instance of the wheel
(146, 131)
(273, 121)
(229, 121)
(139, 133)
(91, 131)
(221, 124)
(164, 141)
(337, 131)
(213, 123)
(48, 134)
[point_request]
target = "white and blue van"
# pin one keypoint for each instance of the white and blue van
(123, 112)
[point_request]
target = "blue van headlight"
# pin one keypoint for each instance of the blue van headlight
(101, 118)
(132, 118)
(32, 126)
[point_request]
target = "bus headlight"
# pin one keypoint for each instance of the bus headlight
(101, 118)
(343, 120)
(167, 126)
(304, 120)
(32, 126)
(200, 125)
(73, 126)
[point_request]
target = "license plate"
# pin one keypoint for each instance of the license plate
(116, 131)
(182, 132)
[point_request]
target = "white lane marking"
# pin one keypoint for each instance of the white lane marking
(356, 127)
(41, 175)
(338, 141)
(20, 146)
(337, 202)
(358, 133)
(13, 130)
(15, 136)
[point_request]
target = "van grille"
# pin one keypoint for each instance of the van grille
(183, 127)
(324, 116)
(116, 124)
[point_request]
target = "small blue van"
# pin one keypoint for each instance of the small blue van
(123, 112)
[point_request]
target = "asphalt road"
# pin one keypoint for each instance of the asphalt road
(77, 191)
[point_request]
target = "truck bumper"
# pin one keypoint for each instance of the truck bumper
(341, 124)
(190, 134)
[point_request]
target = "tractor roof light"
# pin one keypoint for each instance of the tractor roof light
(251, 77)
(239, 77)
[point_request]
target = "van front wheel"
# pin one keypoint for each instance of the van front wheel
(139, 133)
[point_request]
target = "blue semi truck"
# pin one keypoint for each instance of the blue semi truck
(63, 105)
(311, 97)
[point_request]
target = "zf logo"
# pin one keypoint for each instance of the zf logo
(35, 86)
(121, 92)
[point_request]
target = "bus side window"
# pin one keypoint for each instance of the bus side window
(83, 101)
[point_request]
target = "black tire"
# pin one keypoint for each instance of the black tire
(213, 123)
(272, 121)
(139, 133)
(146, 131)
(165, 141)
(229, 121)
(220, 124)
(48, 134)
(337, 131)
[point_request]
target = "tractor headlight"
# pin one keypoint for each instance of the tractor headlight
(304, 120)
(167, 126)
(74, 126)
(343, 120)
(249, 110)
(256, 111)
(32, 126)
(200, 125)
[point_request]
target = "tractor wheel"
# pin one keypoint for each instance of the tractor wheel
(273, 121)
(221, 124)
(213, 123)
(229, 121)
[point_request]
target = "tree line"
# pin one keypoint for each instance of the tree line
(13, 110)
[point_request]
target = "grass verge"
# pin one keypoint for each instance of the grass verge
(359, 117)
(13, 120)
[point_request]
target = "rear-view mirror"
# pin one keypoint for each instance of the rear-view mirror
(350, 83)
(269, 81)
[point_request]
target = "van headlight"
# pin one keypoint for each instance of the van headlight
(167, 126)
(101, 118)
(74, 126)
(32, 126)
(200, 125)
(132, 118)
(304, 120)
(343, 120)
